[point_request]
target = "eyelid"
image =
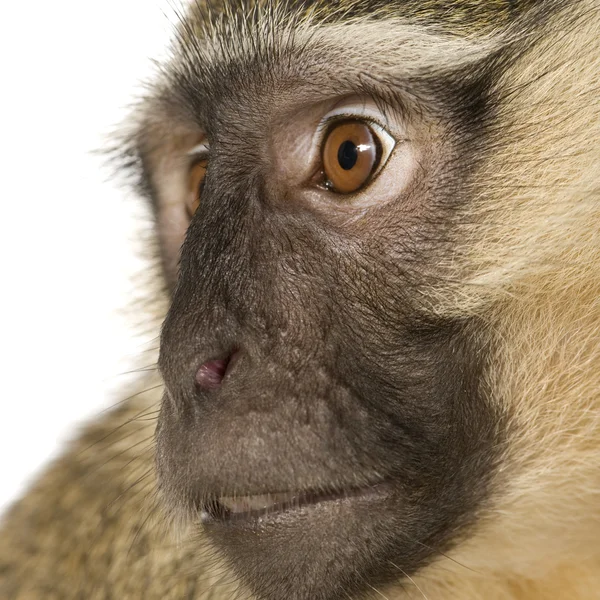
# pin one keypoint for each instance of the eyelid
(334, 117)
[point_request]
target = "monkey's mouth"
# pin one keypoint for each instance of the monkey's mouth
(241, 508)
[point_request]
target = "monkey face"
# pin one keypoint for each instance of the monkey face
(327, 418)
(325, 428)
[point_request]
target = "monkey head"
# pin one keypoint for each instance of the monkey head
(367, 264)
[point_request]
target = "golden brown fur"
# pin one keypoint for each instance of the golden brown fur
(528, 263)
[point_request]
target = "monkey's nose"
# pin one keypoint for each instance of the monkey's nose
(210, 374)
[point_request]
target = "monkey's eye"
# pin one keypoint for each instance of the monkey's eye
(195, 179)
(353, 154)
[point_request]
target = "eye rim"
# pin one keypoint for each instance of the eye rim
(385, 145)
(198, 161)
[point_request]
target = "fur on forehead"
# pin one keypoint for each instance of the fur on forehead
(408, 37)
(267, 47)
(453, 16)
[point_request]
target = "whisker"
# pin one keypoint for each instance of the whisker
(377, 591)
(410, 579)
(436, 551)
(143, 413)
(125, 400)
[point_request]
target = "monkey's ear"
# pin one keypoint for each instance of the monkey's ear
(165, 160)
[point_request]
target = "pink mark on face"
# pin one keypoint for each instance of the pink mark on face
(211, 373)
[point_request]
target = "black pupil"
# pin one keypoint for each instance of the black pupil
(347, 155)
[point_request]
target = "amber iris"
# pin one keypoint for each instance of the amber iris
(350, 156)
(195, 179)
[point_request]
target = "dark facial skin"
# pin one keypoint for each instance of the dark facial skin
(341, 387)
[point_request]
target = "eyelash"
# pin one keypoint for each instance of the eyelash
(324, 126)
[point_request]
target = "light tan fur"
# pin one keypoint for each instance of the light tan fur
(535, 245)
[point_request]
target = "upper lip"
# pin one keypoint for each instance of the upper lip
(227, 508)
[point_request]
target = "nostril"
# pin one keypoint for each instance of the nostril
(210, 374)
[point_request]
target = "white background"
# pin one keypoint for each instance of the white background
(68, 69)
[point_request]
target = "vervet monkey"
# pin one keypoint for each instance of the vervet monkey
(379, 225)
